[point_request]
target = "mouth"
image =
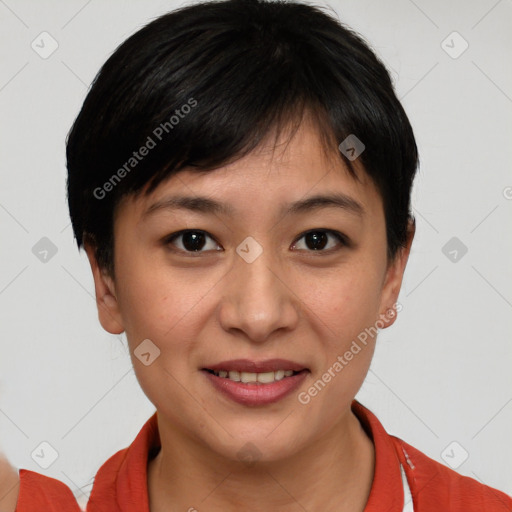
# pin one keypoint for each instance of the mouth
(253, 377)
(256, 383)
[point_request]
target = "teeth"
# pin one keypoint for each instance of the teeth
(250, 377)
(264, 378)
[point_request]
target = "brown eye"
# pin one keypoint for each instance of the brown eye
(192, 241)
(321, 240)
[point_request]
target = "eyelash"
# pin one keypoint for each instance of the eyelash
(342, 239)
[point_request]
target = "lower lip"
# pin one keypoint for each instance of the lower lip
(257, 394)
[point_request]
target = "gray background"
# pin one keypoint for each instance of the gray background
(441, 374)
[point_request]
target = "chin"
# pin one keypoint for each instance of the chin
(264, 445)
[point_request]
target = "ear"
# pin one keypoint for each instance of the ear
(106, 300)
(393, 280)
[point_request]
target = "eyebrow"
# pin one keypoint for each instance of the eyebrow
(206, 205)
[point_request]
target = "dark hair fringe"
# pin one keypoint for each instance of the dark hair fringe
(254, 68)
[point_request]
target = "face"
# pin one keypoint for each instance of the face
(268, 274)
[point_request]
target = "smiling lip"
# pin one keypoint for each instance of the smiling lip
(246, 365)
(254, 394)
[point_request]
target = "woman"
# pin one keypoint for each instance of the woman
(240, 177)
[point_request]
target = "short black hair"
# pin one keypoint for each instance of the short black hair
(203, 85)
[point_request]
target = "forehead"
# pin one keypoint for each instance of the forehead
(271, 176)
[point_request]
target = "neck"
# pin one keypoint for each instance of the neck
(333, 474)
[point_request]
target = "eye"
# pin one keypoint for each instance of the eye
(191, 241)
(318, 240)
(196, 241)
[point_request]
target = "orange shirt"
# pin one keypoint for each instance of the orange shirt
(42, 493)
(120, 484)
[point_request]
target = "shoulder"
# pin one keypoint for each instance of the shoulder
(39, 492)
(434, 485)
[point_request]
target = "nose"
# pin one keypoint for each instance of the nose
(258, 299)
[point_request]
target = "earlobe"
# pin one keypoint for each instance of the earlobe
(106, 301)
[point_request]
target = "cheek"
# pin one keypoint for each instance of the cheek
(344, 308)
(156, 301)
(346, 300)
(160, 306)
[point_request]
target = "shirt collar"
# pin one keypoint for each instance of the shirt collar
(387, 492)
(121, 482)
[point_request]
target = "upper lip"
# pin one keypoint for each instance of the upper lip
(246, 365)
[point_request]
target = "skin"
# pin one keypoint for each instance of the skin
(292, 302)
(9, 486)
